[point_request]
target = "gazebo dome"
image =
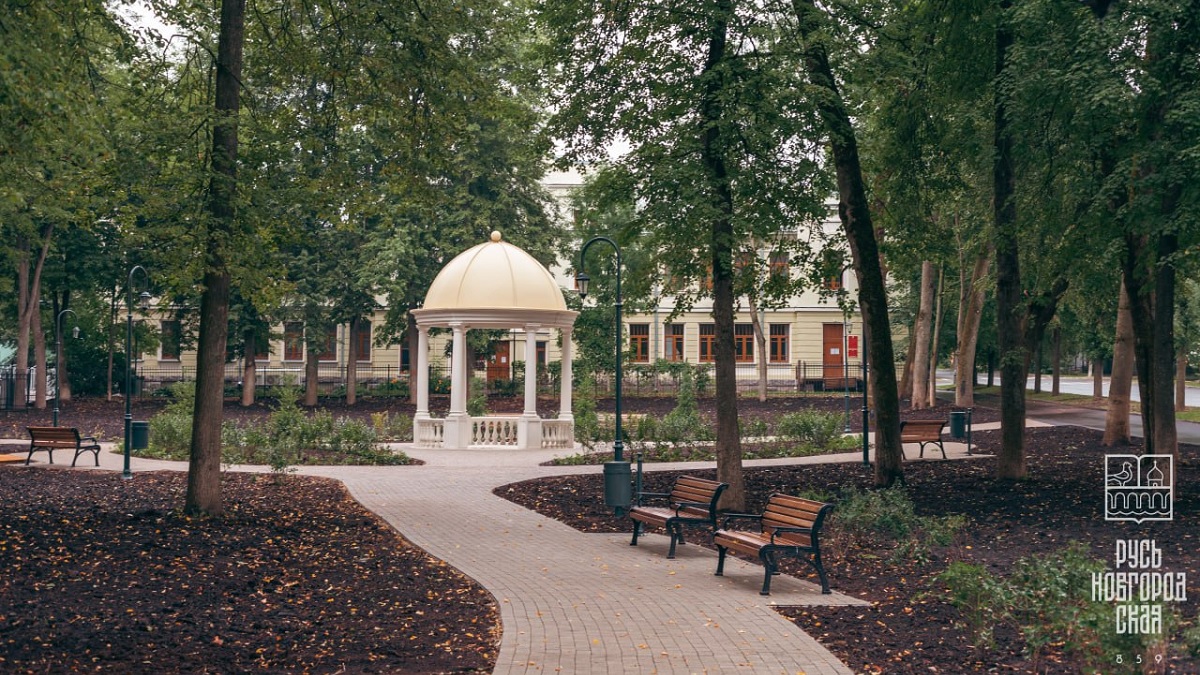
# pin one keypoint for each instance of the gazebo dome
(494, 275)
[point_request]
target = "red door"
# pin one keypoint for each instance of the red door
(498, 365)
(831, 352)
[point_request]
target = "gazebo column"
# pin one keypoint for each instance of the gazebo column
(422, 372)
(529, 427)
(458, 423)
(564, 406)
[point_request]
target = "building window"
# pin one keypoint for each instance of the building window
(780, 268)
(362, 340)
(293, 341)
(673, 342)
(779, 342)
(405, 357)
(329, 349)
(541, 353)
(833, 283)
(708, 339)
(743, 342)
(169, 341)
(639, 342)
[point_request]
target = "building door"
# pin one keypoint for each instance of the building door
(831, 352)
(498, 365)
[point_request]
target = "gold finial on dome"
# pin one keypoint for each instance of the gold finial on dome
(495, 235)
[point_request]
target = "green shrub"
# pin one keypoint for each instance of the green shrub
(810, 427)
(684, 422)
(477, 401)
(587, 423)
(872, 515)
(390, 427)
(1048, 599)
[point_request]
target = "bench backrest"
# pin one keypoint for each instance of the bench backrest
(922, 427)
(788, 511)
(698, 491)
(54, 436)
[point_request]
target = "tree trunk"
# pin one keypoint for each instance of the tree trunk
(1037, 368)
(111, 343)
(250, 366)
(312, 376)
(29, 291)
(1152, 301)
(1097, 379)
(760, 338)
(1116, 418)
(721, 245)
(909, 354)
(39, 355)
(204, 466)
(970, 314)
(1056, 362)
(1181, 363)
(352, 363)
(1011, 333)
(855, 215)
(919, 395)
(933, 341)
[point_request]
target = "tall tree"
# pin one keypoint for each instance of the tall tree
(204, 465)
(855, 215)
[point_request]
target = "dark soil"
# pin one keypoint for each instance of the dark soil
(908, 628)
(102, 574)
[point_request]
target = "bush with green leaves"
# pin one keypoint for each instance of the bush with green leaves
(684, 423)
(388, 427)
(587, 423)
(289, 436)
(477, 401)
(810, 427)
(872, 515)
(1048, 598)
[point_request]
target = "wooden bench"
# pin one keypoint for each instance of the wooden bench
(64, 438)
(923, 432)
(788, 526)
(693, 501)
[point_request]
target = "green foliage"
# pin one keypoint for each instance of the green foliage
(810, 427)
(587, 423)
(477, 401)
(395, 428)
(889, 515)
(684, 424)
(288, 437)
(1048, 599)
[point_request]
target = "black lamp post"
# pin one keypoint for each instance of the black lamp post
(58, 350)
(144, 301)
(617, 488)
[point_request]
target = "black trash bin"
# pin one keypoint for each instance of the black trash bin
(958, 424)
(139, 437)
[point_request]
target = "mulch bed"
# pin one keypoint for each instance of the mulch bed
(102, 574)
(907, 629)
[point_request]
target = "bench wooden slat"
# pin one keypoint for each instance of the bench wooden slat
(782, 511)
(687, 490)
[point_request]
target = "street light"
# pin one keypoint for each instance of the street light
(58, 350)
(144, 302)
(617, 489)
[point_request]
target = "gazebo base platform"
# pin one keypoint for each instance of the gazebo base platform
(493, 432)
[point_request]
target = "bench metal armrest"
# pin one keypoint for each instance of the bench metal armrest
(790, 530)
(738, 516)
(693, 505)
(637, 499)
(88, 438)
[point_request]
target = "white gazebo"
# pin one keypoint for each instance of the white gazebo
(492, 285)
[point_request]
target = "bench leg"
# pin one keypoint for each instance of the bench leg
(816, 562)
(637, 526)
(768, 570)
(721, 551)
(943, 449)
(676, 535)
(94, 450)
